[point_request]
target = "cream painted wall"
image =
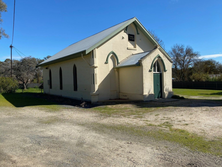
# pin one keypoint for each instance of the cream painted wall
(134, 83)
(83, 79)
(148, 89)
(131, 83)
(120, 45)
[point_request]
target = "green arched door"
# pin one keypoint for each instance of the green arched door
(157, 82)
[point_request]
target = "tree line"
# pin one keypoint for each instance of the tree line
(187, 66)
(24, 70)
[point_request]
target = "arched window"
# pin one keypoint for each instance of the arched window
(50, 79)
(60, 78)
(74, 78)
(156, 67)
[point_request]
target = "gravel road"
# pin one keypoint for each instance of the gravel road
(32, 136)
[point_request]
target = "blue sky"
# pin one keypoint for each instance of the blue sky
(45, 27)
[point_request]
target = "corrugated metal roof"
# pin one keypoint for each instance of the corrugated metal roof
(89, 42)
(133, 60)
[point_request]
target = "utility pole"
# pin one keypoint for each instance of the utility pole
(11, 59)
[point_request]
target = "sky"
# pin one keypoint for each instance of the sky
(45, 27)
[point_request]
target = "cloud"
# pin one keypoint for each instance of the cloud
(210, 56)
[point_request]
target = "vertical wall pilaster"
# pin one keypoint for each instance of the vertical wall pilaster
(94, 81)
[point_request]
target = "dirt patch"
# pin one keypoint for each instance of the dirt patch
(85, 137)
(205, 121)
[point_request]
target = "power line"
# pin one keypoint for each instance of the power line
(19, 51)
(13, 26)
(13, 29)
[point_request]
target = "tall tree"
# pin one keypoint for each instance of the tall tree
(3, 8)
(211, 66)
(207, 66)
(203, 70)
(183, 61)
(25, 70)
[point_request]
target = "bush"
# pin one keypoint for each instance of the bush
(199, 77)
(8, 85)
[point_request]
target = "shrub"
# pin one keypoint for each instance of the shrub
(8, 85)
(199, 77)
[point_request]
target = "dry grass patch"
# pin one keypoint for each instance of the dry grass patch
(50, 120)
(192, 141)
(124, 110)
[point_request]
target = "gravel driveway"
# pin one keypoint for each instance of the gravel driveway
(34, 136)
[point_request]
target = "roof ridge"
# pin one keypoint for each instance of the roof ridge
(86, 45)
(102, 30)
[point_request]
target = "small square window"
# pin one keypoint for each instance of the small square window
(131, 37)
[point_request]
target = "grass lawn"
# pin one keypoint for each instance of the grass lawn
(4, 102)
(198, 92)
(29, 90)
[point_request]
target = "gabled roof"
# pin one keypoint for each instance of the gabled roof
(88, 44)
(133, 60)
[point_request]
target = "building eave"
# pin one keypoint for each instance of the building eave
(72, 56)
(153, 41)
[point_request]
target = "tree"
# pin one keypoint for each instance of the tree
(206, 70)
(39, 71)
(3, 8)
(5, 68)
(207, 66)
(22, 73)
(211, 66)
(47, 57)
(8, 84)
(25, 70)
(199, 76)
(183, 61)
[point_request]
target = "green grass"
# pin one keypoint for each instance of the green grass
(27, 98)
(4, 102)
(198, 92)
(182, 137)
(29, 90)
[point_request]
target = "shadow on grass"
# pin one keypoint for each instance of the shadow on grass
(218, 93)
(26, 99)
(169, 103)
(36, 99)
